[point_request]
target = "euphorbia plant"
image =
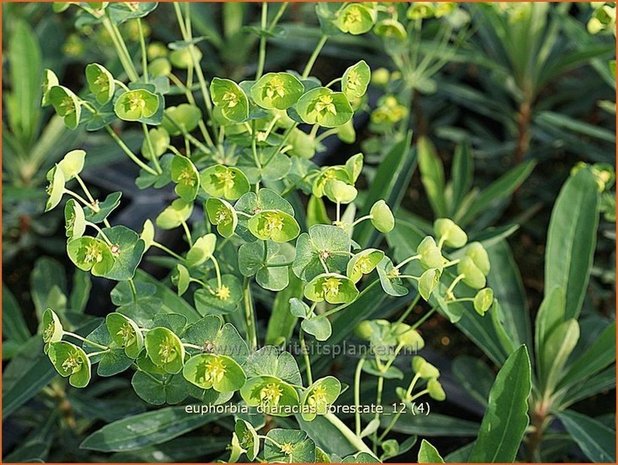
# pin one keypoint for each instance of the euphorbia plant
(258, 217)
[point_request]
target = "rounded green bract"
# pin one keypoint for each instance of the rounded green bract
(277, 91)
(218, 372)
(136, 105)
(165, 349)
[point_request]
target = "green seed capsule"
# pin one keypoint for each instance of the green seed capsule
(450, 233)
(478, 254)
(435, 390)
(473, 276)
(423, 368)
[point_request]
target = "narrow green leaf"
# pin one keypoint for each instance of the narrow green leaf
(434, 424)
(432, 175)
(506, 418)
(428, 453)
(596, 440)
(572, 239)
(461, 176)
(144, 430)
(475, 377)
(13, 324)
(497, 191)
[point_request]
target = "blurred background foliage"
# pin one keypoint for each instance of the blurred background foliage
(519, 93)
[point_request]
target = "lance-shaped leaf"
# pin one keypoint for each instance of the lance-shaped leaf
(277, 91)
(100, 82)
(230, 99)
(332, 288)
(70, 361)
(165, 349)
(125, 333)
(324, 107)
(219, 372)
(224, 181)
(223, 215)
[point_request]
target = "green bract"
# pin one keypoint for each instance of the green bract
(230, 99)
(219, 372)
(181, 119)
(339, 192)
(409, 337)
(66, 104)
(247, 438)
(274, 396)
(356, 18)
(289, 446)
(363, 263)
(55, 188)
(428, 282)
(136, 105)
(222, 214)
(182, 279)
(319, 396)
(224, 181)
(277, 91)
(160, 140)
(49, 80)
(323, 245)
(267, 261)
(74, 219)
(324, 107)
(435, 390)
(478, 254)
(389, 278)
(91, 254)
(274, 225)
(165, 349)
(390, 29)
(381, 217)
(423, 368)
(332, 288)
(72, 164)
(125, 333)
(100, 82)
(186, 177)
(219, 298)
(70, 361)
(202, 250)
(355, 80)
(51, 327)
(174, 215)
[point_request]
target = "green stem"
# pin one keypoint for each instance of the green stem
(168, 251)
(314, 56)
(121, 48)
(357, 378)
(405, 314)
(424, 318)
(142, 43)
(379, 390)
(187, 233)
(129, 153)
(262, 49)
(155, 159)
(217, 271)
(87, 341)
(303, 347)
(249, 316)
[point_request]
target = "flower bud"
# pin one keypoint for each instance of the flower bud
(478, 254)
(473, 277)
(408, 337)
(364, 330)
(381, 217)
(435, 390)
(448, 231)
(423, 368)
(380, 77)
(431, 256)
(483, 300)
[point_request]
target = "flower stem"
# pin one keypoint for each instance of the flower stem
(303, 347)
(262, 49)
(129, 153)
(357, 378)
(249, 315)
(87, 341)
(314, 56)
